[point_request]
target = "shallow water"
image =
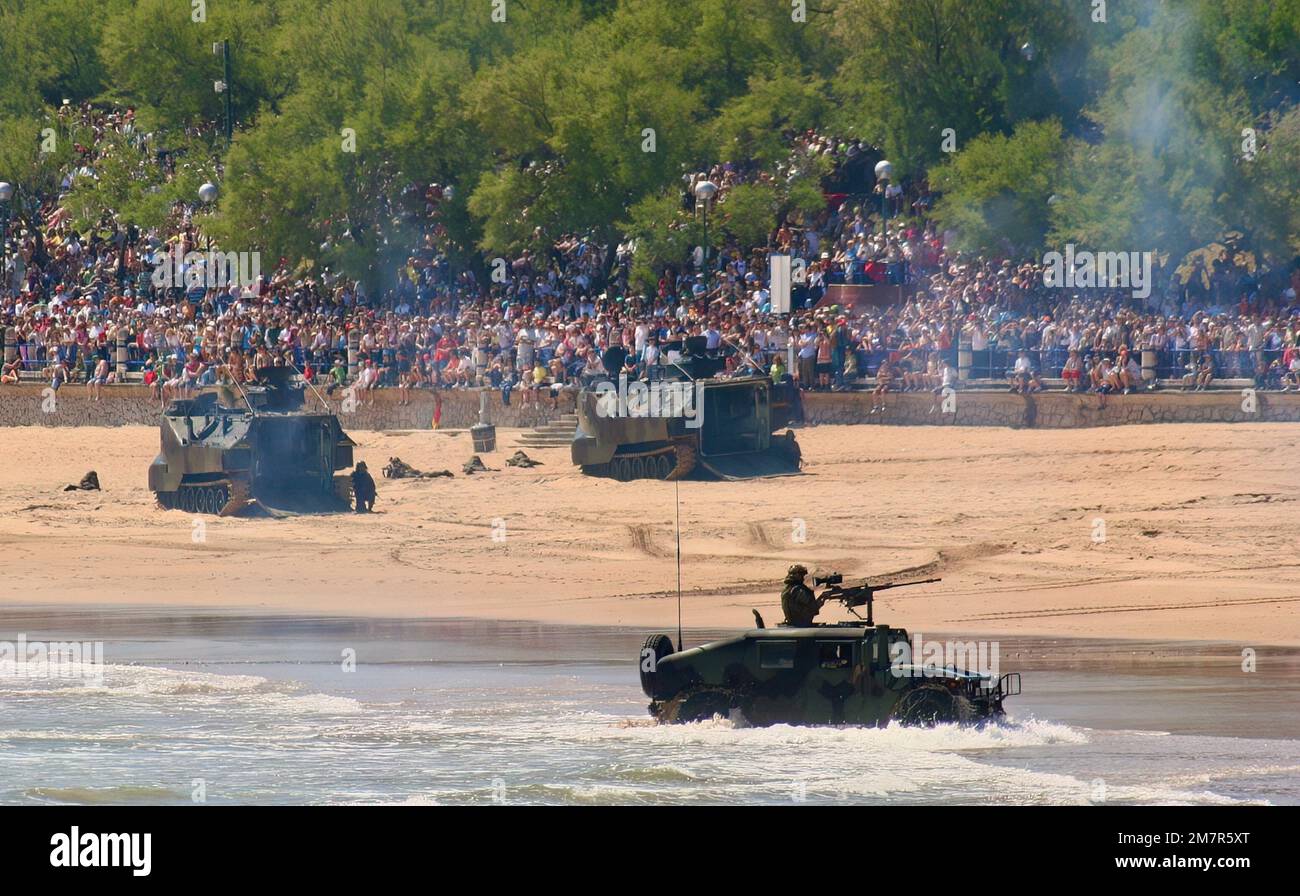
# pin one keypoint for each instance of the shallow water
(259, 709)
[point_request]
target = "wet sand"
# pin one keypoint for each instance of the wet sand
(1171, 533)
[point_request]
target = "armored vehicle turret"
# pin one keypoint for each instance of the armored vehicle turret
(224, 449)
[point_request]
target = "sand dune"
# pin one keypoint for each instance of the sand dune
(1184, 531)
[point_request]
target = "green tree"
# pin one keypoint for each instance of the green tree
(749, 213)
(915, 68)
(996, 190)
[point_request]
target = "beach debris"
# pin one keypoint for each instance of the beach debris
(475, 465)
(520, 459)
(88, 483)
(400, 469)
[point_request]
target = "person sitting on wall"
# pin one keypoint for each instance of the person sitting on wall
(1024, 378)
(1128, 371)
(338, 376)
(12, 371)
(1072, 371)
(884, 377)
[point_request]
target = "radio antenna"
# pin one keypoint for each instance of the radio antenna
(677, 499)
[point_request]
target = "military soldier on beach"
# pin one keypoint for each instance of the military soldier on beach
(363, 488)
(797, 600)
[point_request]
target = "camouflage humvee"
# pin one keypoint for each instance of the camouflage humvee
(832, 674)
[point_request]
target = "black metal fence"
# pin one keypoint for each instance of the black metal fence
(996, 363)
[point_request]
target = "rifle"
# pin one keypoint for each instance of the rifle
(857, 595)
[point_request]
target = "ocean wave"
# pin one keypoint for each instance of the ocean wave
(104, 795)
(187, 689)
(945, 738)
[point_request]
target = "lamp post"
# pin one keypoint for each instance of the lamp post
(884, 171)
(705, 190)
(208, 195)
(6, 193)
(222, 48)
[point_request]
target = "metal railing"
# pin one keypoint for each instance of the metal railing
(997, 363)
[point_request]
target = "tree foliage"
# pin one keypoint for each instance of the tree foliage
(583, 116)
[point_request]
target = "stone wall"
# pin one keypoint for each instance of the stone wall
(1053, 410)
(30, 404)
(35, 405)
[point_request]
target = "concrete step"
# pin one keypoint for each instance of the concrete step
(526, 443)
(556, 437)
(565, 435)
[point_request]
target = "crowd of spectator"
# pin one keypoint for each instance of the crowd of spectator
(68, 294)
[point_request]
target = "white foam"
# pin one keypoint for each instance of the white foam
(193, 688)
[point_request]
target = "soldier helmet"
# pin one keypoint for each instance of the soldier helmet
(361, 465)
(796, 573)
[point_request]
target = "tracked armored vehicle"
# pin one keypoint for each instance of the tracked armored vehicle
(222, 452)
(856, 673)
(685, 418)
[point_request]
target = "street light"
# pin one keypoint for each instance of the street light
(208, 194)
(884, 171)
(222, 48)
(705, 190)
(6, 193)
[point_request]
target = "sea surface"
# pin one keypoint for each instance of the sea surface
(221, 708)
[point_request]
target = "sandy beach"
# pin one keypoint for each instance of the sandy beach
(1179, 532)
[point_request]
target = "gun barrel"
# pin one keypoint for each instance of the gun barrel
(902, 584)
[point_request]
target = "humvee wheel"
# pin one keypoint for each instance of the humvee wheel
(932, 704)
(655, 648)
(699, 705)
